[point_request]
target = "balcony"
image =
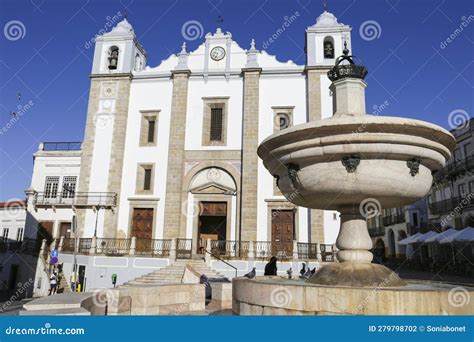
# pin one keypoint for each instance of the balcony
(454, 168)
(456, 204)
(61, 146)
(393, 219)
(377, 231)
(78, 200)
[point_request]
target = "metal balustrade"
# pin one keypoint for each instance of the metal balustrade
(222, 249)
(377, 231)
(307, 250)
(267, 249)
(78, 199)
(184, 248)
(229, 249)
(153, 247)
(327, 253)
(112, 247)
(62, 146)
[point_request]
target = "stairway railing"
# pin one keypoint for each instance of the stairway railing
(222, 260)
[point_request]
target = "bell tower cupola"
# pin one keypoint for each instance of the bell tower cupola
(325, 40)
(118, 51)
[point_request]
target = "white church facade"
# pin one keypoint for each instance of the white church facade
(169, 152)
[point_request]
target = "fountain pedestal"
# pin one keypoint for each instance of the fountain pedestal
(355, 267)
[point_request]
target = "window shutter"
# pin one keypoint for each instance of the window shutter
(216, 124)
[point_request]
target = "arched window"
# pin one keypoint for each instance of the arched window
(328, 48)
(113, 57)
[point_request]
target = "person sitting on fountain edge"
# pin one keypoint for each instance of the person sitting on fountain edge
(271, 267)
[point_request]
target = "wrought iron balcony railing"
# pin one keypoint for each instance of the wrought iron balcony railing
(78, 199)
(377, 231)
(62, 146)
(228, 249)
(393, 219)
(267, 249)
(456, 204)
(454, 168)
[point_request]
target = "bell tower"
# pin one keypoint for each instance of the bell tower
(117, 56)
(118, 51)
(325, 40)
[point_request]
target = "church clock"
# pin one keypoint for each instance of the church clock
(217, 53)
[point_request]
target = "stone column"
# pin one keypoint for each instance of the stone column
(133, 246)
(248, 219)
(208, 256)
(314, 95)
(295, 250)
(251, 254)
(93, 248)
(173, 249)
(174, 202)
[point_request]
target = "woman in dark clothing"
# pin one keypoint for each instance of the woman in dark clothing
(271, 267)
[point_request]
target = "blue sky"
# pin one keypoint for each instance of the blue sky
(413, 70)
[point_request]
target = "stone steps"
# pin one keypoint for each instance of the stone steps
(173, 274)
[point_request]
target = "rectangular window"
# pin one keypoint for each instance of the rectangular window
(216, 124)
(19, 234)
(147, 180)
(151, 131)
(462, 190)
(148, 127)
(51, 187)
(144, 182)
(69, 186)
(471, 187)
(467, 150)
(5, 234)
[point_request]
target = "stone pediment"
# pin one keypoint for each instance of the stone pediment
(212, 188)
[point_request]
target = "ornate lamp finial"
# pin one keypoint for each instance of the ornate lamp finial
(346, 50)
(252, 44)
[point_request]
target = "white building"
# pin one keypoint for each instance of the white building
(169, 151)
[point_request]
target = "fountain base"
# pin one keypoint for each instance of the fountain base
(280, 296)
(356, 275)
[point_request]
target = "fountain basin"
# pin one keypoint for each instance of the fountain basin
(280, 296)
(384, 146)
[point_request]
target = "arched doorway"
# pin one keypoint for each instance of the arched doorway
(391, 243)
(211, 207)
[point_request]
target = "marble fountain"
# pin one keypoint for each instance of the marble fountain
(345, 163)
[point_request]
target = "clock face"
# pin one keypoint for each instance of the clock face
(217, 53)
